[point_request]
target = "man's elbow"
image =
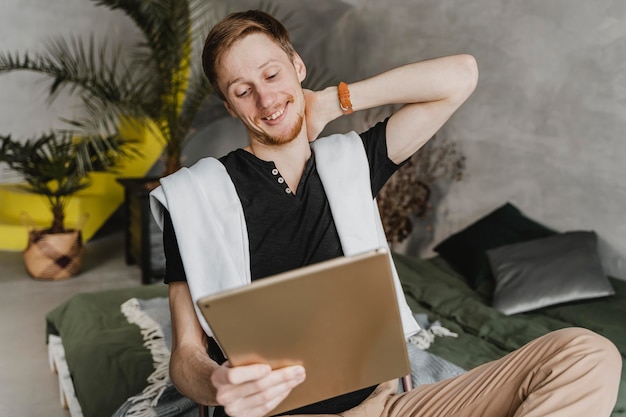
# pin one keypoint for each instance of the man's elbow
(176, 372)
(467, 68)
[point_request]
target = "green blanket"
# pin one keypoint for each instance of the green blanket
(485, 334)
(104, 352)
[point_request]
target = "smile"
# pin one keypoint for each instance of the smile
(275, 115)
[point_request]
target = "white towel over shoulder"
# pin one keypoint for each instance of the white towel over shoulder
(211, 229)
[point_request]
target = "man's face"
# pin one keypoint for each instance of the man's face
(262, 87)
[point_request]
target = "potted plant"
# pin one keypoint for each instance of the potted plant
(156, 88)
(54, 166)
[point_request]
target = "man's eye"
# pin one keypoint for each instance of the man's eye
(271, 76)
(243, 93)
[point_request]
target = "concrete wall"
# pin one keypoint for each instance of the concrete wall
(544, 130)
(545, 127)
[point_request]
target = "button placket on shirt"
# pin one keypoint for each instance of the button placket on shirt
(281, 180)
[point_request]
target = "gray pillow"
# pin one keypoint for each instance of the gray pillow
(551, 270)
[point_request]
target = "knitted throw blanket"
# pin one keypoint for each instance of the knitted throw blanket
(159, 398)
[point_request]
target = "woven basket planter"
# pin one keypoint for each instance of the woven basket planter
(54, 256)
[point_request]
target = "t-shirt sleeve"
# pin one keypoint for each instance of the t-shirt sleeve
(174, 270)
(381, 167)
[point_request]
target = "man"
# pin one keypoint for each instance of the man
(273, 189)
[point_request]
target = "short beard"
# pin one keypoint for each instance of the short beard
(269, 140)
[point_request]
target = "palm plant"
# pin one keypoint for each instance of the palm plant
(157, 86)
(49, 165)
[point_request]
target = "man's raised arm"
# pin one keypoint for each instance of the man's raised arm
(431, 92)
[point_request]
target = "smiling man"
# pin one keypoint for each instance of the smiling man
(276, 205)
(264, 90)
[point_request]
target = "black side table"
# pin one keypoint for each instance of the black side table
(143, 238)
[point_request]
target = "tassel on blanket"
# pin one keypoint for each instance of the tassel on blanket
(154, 341)
(426, 336)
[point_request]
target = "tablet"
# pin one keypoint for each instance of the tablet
(338, 318)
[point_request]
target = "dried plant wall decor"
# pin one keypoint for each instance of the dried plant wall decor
(408, 195)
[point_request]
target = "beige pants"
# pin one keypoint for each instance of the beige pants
(567, 373)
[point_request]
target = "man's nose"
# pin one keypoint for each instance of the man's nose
(265, 97)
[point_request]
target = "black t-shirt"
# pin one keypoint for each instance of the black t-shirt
(287, 230)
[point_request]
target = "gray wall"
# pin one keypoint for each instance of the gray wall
(543, 129)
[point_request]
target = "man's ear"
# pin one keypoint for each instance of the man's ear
(230, 110)
(298, 63)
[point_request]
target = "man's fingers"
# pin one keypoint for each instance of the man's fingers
(260, 397)
(289, 375)
(253, 393)
(241, 374)
(260, 404)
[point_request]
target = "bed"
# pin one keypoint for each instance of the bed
(109, 361)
